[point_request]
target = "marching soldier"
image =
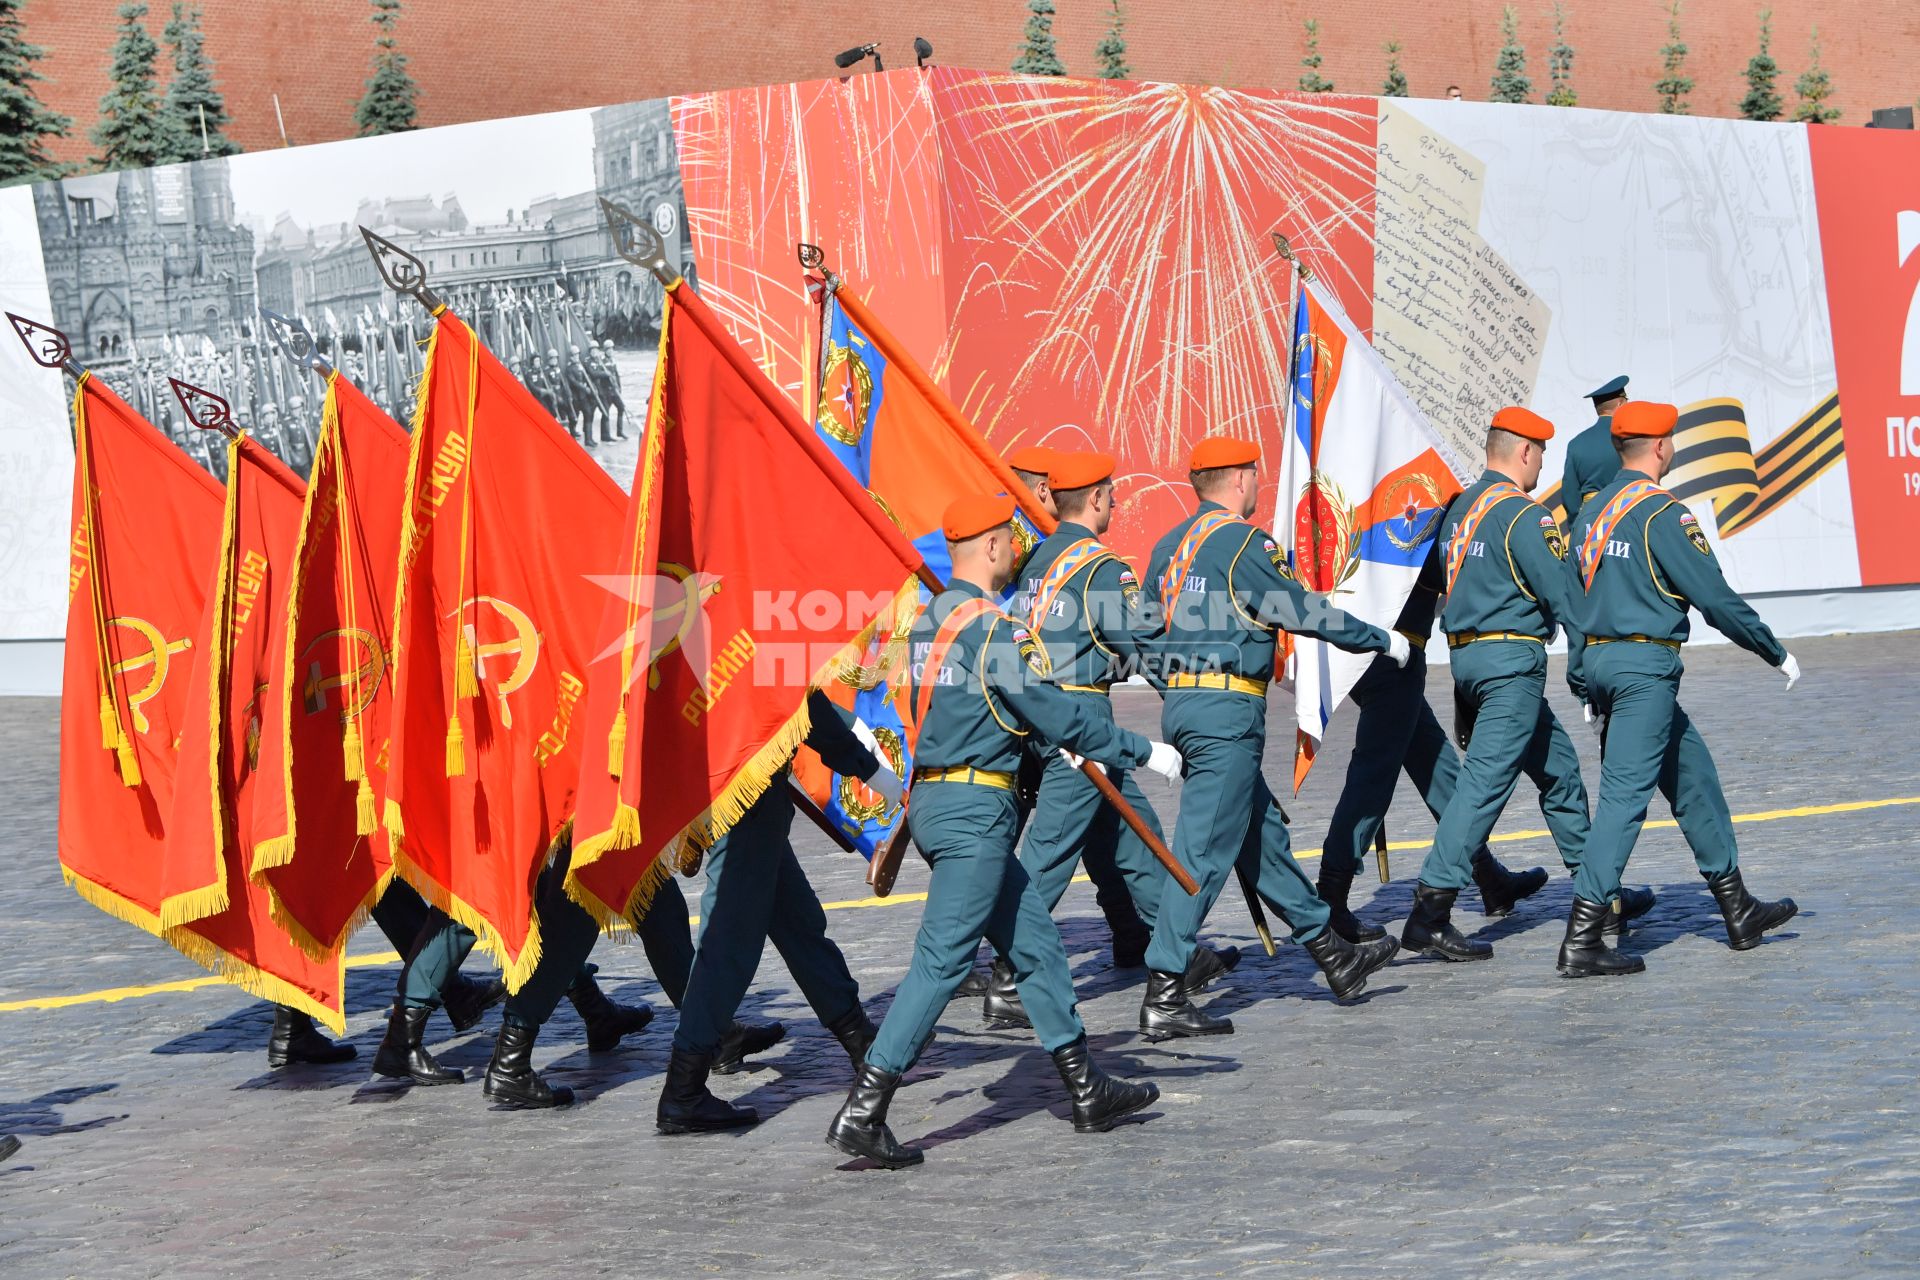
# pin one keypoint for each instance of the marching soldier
(606, 385)
(1031, 466)
(976, 697)
(1644, 559)
(580, 393)
(541, 385)
(756, 892)
(1225, 594)
(1397, 731)
(1083, 605)
(1507, 587)
(1591, 462)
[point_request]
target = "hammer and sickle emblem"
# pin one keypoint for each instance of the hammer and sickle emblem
(523, 648)
(682, 615)
(158, 655)
(357, 685)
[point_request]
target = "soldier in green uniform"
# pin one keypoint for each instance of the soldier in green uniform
(1083, 604)
(1225, 594)
(1591, 462)
(975, 699)
(756, 891)
(1396, 731)
(1643, 560)
(1507, 587)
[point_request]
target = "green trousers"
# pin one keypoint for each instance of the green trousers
(756, 893)
(977, 889)
(1071, 822)
(400, 914)
(1228, 815)
(1514, 732)
(1395, 732)
(1649, 743)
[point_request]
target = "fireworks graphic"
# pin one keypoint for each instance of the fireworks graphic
(1122, 232)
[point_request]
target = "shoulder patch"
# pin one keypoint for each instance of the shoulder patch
(1546, 521)
(1033, 651)
(1696, 535)
(1555, 542)
(1278, 558)
(1687, 517)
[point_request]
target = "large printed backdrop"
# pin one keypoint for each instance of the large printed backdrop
(1081, 263)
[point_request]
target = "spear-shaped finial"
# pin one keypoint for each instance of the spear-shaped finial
(205, 409)
(295, 341)
(403, 272)
(47, 345)
(1285, 248)
(814, 258)
(635, 240)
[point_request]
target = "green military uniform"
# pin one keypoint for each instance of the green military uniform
(1591, 465)
(1645, 570)
(1231, 598)
(1510, 588)
(1396, 731)
(756, 892)
(964, 820)
(1095, 628)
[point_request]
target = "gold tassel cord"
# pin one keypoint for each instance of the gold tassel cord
(617, 739)
(367, 818)
(466, 674)
(113, 732)
(456, 747)
(353, 752)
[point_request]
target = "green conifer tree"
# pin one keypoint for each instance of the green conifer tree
(1763, 100)
(193, 101)
(1674, 85)
(25, 121)
(1311, 81)
(1813, 88)
(1037, 54)
(1396, 82)
(1112, 49)
(133, 132)
(1560, 63)
(1510, 82)
(391, 103)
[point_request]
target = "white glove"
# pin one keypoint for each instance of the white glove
(886, 783)
(1165, 761)
(1791, 670)
(1398, 649)
(1594, 722)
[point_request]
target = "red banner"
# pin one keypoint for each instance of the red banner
(757, 569)
(1867, 188)
(146, 530)
(493, 633)
(318, 845)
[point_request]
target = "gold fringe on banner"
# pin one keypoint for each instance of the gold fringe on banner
(230, 968)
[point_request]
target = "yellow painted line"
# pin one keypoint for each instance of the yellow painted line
(111, 995)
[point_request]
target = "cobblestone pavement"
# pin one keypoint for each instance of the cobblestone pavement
(1722, 1114)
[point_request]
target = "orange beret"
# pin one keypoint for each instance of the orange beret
(1079, 470)
(1223, 451)
(1644, 418)
(1523, 422)
(1035, 459)
(971, 516)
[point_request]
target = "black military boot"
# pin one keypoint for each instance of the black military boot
(1002, 1009)
(1206, 965)
(402, 1054)
(1430, 928)
(744, 1039)
(607, 1021)
(976, 984)
(1501, 888)
(688, 1106)
(467, 1000)
(296, 1039)
(1632, 904)
(511, 1078)
(1347, 964)
(1585, 953)
(859, 1128)
(1098, 1099)
(1334, 886)
(1167, 1013)
(855, 1032)
(1747, 917)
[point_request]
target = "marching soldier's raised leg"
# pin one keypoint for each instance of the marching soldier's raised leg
(667, 937)
(978, 687)
(1644, 560)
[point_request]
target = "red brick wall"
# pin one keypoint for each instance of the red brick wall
(477, 59)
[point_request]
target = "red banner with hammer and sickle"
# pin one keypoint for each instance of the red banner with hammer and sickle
(146, 531)
(319, 845)
(213, 911)
(505, 516)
